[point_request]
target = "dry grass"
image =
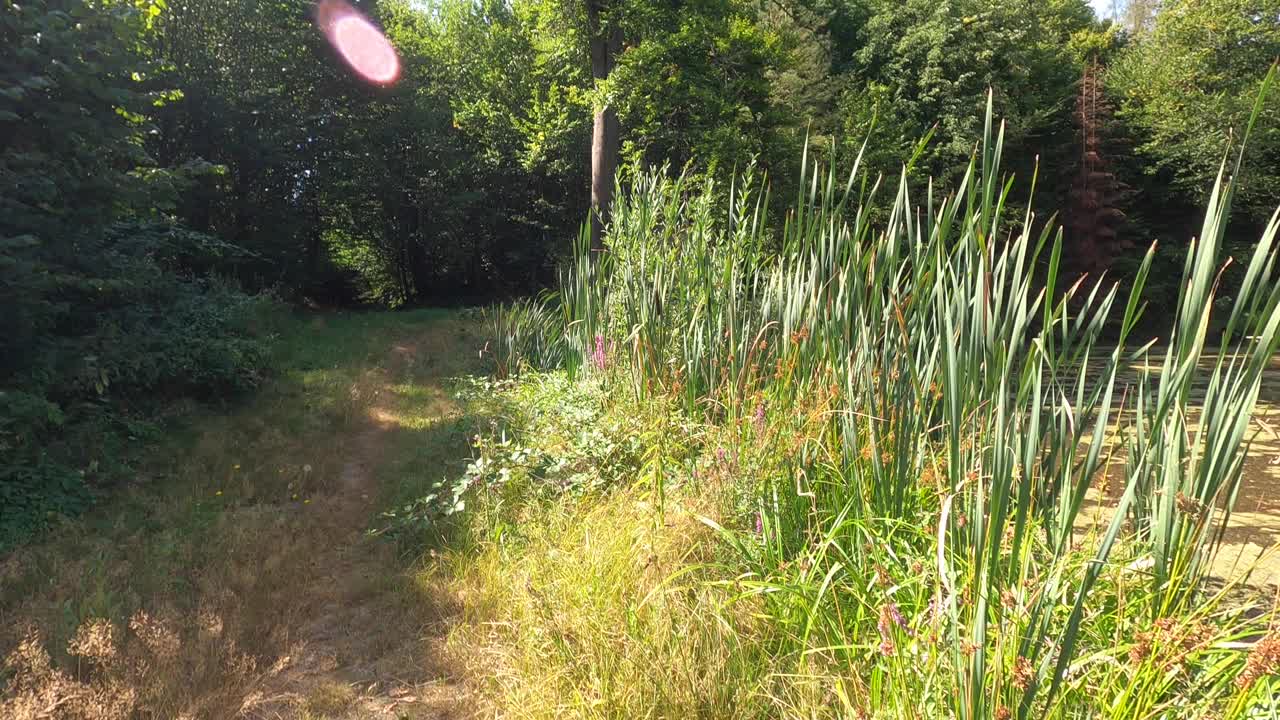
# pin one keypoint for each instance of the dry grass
(157, 665)
(199, 597)
(329, 699)
(235, 577)
(580, 612)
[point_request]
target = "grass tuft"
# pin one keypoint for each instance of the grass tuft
(328, 700)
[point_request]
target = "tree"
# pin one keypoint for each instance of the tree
(1139, 16)
(264, 100)
(605, 40)
(666, 84)
(923, 64)
(516, 78)
(107, 302)
(70, 126)
(693, 87)
(1093, 216)
(1191, 79)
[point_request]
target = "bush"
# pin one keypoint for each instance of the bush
(136, 328)
(109, 309)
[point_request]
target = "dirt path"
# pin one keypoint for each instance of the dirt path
(242, 582)
(364, 652)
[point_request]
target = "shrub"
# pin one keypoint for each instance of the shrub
(141, 330)
(108, 308)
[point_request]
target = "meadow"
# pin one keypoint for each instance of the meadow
(241, 574)
(790, 382)
(901, 466)
(879, 460)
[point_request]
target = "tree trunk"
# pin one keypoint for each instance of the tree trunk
(1093, 218)
(605, 44)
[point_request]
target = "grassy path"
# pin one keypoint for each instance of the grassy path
(236, 576)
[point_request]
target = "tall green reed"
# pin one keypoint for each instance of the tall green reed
(525, 333)
(930, 385)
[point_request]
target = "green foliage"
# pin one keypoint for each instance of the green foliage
(141, 332)
(915, 420)
(551, 437)
(463, 178)
(523, 333)
(1194, 74)
(923, 64)
(692, 85)
(517, 75)
(34, 493)
(109, 307)
(259, 131)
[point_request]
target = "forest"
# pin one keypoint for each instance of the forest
(167, 163)
(861, 299)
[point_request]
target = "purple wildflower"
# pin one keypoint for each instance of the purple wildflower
(759, 418)
(896, 616)
(885, 626)
(599, 357)
(759, 525)
(890, 616)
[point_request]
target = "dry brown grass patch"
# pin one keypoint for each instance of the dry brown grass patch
(329, 699)
(202, 593)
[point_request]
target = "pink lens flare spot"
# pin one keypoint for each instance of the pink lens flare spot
(360, 43)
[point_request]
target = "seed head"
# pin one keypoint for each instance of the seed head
(1263, 660)
(1022, 673)
(1188, 505)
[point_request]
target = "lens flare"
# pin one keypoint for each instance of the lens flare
(359, 42)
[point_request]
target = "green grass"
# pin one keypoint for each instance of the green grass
(891, 431)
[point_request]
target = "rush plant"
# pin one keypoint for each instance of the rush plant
(928, 404)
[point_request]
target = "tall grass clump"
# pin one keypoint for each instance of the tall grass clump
(524, 333)
(907, 418)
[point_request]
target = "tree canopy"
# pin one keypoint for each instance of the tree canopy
(1191, 77)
